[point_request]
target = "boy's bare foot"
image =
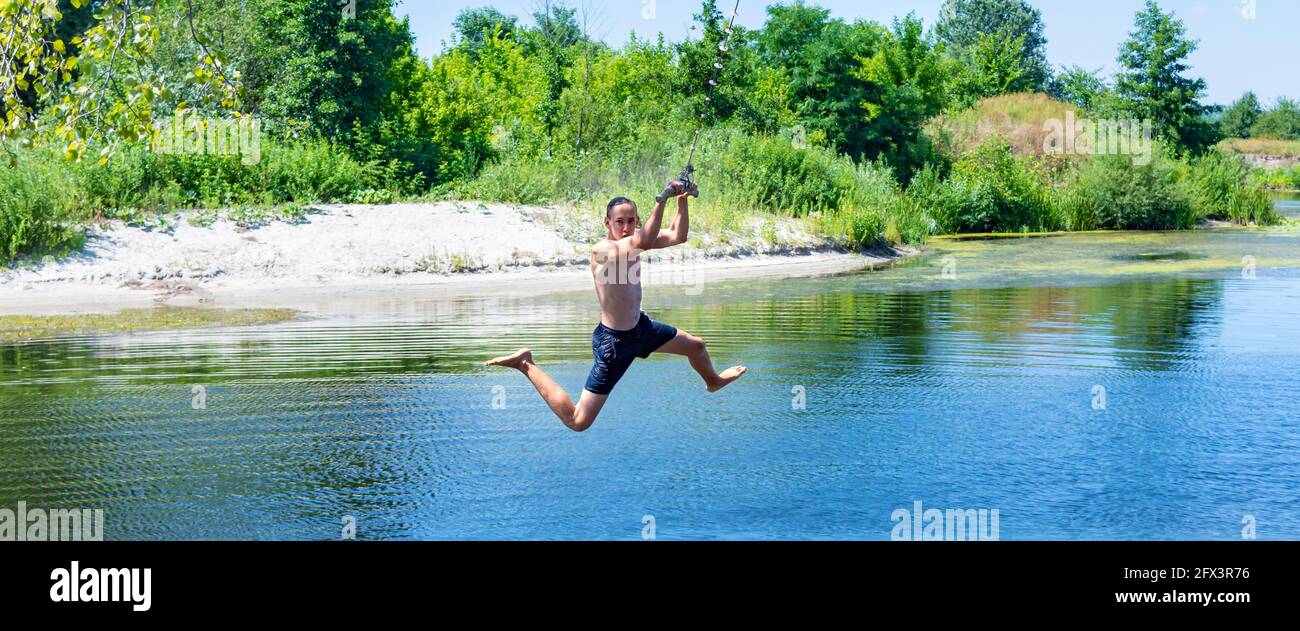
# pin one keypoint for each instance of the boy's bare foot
(516, 361)
(729, 375)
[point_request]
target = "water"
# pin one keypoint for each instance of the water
(1288, 204)
(973, 388)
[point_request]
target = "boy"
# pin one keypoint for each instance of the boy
(625, 332)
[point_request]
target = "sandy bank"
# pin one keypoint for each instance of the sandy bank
(339, 253)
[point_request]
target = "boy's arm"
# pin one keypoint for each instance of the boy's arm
(648, 235)
(681, 227)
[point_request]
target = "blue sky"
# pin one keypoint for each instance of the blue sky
(1236, 53)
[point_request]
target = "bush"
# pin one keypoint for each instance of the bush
(740, 172)
(45, 195)
(1111, 192)
(990, 190)
(1282, 122)
(36, 208)
(125, 183)
(773, 175)
(1277, 179)
(1292, 177)
(518, 181)
(314, 172)
(1221, 190)
(872, 209)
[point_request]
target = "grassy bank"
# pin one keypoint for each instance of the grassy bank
(1262, 147)
(987, 173)
(750, 181)
(990, 174)
(46, 201)
(1285, 179)
(25, 328)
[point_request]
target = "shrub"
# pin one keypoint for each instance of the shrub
(774, 175)
(37, 200)
(1221, 190)
(1113, 193)
(864, 212)
(740, 172)
(990, 190)
(312, 172)
(1284, 179)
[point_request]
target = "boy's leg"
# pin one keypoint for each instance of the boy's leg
(695, 349)
(576, 417)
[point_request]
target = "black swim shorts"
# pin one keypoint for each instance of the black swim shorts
(615, 350)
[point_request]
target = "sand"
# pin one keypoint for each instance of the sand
(337, 252)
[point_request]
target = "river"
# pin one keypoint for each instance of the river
(1092, 386)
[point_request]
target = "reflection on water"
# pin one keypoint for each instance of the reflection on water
(1287, 203)
(969, 391)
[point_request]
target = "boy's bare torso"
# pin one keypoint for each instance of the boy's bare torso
(616, 270)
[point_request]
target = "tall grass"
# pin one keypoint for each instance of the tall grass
(44, 198)
(1220, 189)
(315, 172)
(1262, 146)
(1286, 179)
(1111, 192)
(1018, 119)
(990, 190)
(38, 214)
(744, 176)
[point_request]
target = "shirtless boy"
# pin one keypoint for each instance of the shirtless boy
(625, 332)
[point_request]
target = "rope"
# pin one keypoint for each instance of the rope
(723, 48)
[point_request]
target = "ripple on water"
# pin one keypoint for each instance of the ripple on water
(1084, 406)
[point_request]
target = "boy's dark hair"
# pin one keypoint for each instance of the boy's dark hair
(617, 201)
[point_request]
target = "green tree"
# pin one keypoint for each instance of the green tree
(1240, 117)
(471, 108)
(473, 27)
(1153, 79)
(1281, 122)
(695, 66)
(89, 71)
(332, 73)
(965, 25)
(1079, 86)
(551, 44)
(994, 66)
(907, 82)
(623, 92)
(557, 24)
(820, 56)
(787, 37)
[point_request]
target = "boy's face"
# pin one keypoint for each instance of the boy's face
(622, 221)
